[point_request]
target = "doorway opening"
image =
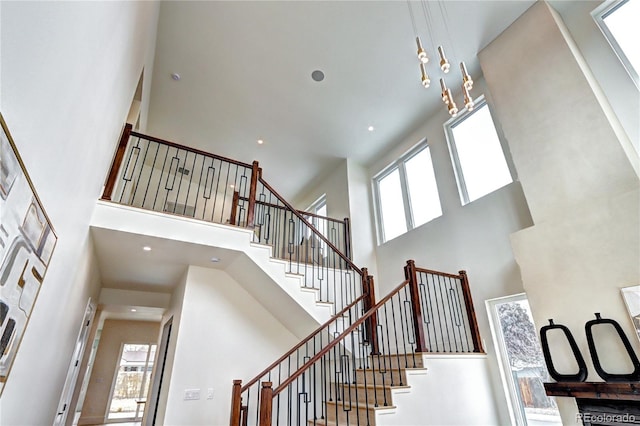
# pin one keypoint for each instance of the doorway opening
(522, 364)
(131, 383)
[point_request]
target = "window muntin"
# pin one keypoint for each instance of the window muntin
(406, 194)
(618, 22)
(477, 154)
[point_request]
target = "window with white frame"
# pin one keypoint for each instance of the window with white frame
(319, 206)
(618, 20)
(476, 153)
(406, 193)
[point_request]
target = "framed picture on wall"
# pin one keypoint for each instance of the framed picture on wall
(631, 296)
(27, 241)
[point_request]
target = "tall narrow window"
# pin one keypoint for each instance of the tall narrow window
(618, 21)
(522, 363)
(319, 208)
(406, 193)
(476, 153)
(391, 205)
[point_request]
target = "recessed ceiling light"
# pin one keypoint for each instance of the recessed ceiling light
(232, 186)
(215, 259)
(260, 141)
(317, 75)
(146, 248)
(371, 128)
(175, 76)
(134, 310)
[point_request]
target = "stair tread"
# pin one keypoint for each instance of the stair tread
(370, 385)
(371, 407)
(393, 368)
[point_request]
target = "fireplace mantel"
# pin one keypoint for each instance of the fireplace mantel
(627, 391)
(602, 403)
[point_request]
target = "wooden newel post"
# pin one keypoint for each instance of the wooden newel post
(347, 237)
(371, 323)
(117, 162)
(266, 403)
(373, 319)
(471, 313)
(234, 207)
(416, 308)
(255, 173)
(236, 403)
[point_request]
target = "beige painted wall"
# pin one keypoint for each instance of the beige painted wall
(577, 179)
(114, 334)
(69, 71)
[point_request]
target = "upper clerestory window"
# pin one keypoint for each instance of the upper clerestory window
(618, 21)
(476, 153)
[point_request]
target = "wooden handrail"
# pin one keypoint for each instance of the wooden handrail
(443, 274)
(303, 212)
(302, 342)
(303, 220)
(337, 340)
(186, 148)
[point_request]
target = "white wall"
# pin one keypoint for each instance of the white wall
(363, 234)
(332, 185)
(224, 334)
(578, 181)
(348, 195)
(69, 71)
(173, 313)
(454, 390)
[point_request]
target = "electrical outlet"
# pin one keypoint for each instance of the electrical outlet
(210, 393)
(191, 394)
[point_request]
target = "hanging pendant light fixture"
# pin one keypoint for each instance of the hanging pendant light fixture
(426, 81)
(444, 64)
(422, 54)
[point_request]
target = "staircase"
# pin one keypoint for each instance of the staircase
(365, 354)
(351, 378)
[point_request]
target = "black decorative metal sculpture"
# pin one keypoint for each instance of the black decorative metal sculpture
(609, 377)
(581, 375)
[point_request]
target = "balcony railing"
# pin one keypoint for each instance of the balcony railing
(159, 175)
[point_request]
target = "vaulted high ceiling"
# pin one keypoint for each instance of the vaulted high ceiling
(245, 74)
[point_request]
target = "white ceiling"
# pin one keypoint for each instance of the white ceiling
(246, 67)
